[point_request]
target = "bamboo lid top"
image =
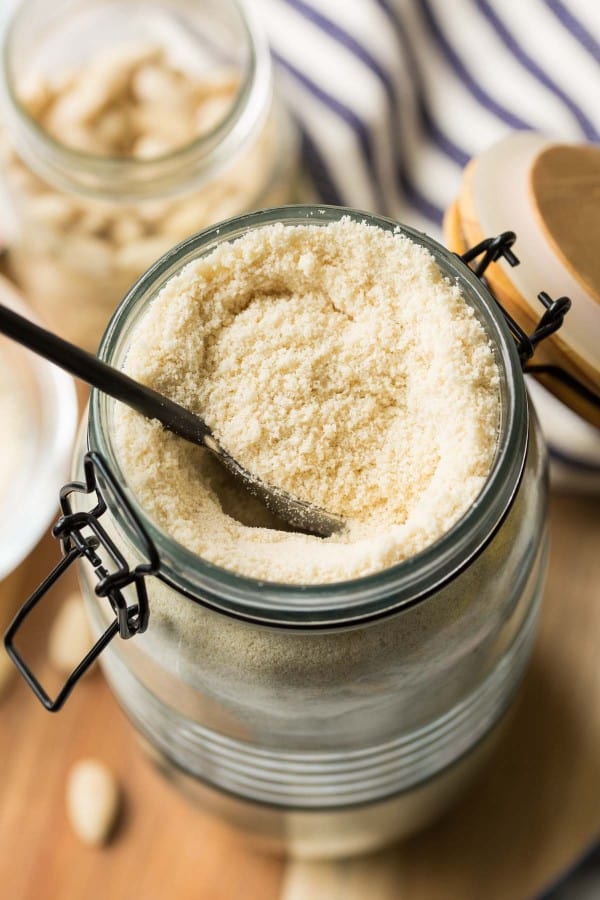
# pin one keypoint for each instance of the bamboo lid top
(565, 190)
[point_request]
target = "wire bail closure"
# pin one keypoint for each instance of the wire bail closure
(82, 536)
(492, 250)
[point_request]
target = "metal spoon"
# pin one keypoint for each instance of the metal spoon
(298, 513)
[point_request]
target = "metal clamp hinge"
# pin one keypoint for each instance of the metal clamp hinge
(491, 250)
(82, 537)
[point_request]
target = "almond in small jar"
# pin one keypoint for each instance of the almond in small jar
(121, 129)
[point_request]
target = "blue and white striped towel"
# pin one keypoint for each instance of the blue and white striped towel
(394, 97)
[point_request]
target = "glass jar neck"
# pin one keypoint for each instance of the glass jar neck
(330, 605)
(128, 180)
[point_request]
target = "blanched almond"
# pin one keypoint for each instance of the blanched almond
(35, 95)
(153, 212)
(113, 128)
(187, 218)
(118, 63)
(142, 254)
(52, 208)
(151, 146)
(164, 122)
(79, 105)
(127, 229)
(96, 220)
(161, 88)
(78, 137)
(93, 801)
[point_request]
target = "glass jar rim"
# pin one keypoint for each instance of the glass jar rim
(370, 596)
(127, 179)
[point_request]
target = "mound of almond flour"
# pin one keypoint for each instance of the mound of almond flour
(334, 361)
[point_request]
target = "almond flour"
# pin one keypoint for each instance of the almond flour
(334, 361)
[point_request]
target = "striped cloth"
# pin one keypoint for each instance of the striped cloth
(394, 96)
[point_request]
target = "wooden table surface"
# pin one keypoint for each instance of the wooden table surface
(534, 811)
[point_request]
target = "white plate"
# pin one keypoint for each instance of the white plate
(28, 509)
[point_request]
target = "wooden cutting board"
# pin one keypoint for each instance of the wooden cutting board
(531, 815)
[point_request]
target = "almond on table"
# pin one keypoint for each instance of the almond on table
(93, 801)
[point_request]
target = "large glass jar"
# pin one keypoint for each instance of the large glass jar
(331, 719)
(83, 225)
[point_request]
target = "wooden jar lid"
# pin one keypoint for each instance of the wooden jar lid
(510, 187)
(565, 190)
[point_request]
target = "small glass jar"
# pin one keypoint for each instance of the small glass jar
(84, 226)
(328, 720)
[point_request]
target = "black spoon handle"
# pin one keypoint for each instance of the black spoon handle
(111, 381)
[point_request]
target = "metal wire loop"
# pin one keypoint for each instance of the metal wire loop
(491, 250)
(83, 537)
